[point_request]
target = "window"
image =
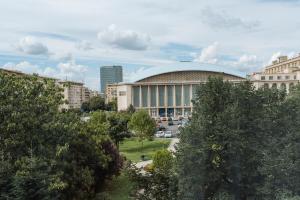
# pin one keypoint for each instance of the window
(295, 77)
(161, 95)
(283, 86)
(136, 96)
(153, 91)
(287, 77)
(186, 95)
(145, 96)
(122, 93)
(262, 78)
(178, 95)
(266, 85)
(270, 77)
(170, 89)
(278, 77)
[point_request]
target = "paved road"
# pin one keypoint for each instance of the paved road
(172, 145)
(171, 148)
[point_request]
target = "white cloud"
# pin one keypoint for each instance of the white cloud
(125, 39)
(247, 59)
(23, 66)
(218, 20)
(84, 45)
(30, 45)
(62, 56)
(70, 70)
(274, 57)
(247, 63)
(209, 54)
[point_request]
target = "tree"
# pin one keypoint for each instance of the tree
(112, 105)
(130, 109)
(163, 161)
(47, 154)
(142, 125)
(159, 183)
(118, 127)
(94, 104)
(221, 150)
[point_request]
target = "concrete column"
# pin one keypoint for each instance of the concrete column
(174, 101)
(182, 100)
(140, 97)
(148, 96)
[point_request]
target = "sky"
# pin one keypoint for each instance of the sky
(71, 39)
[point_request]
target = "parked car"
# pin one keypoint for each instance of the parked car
(174, 118)
(170, 123)
(164, 119)
(158, 120)
(168, 134)
(161, 128)
(159, 134)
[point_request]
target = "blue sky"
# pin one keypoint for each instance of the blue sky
(73, 38)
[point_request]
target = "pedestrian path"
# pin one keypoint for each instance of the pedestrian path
(171, 148)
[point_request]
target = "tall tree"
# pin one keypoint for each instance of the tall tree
(220, 151)
(142, 125)
(118, 127)
(44, 153)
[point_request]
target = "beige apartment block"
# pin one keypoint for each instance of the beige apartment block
(74, 94)
(283, 73)
(111, 92)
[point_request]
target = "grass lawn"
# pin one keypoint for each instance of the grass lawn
(120, 188)
(131, 148)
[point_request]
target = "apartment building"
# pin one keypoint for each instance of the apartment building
(111, 92)
(283, 73)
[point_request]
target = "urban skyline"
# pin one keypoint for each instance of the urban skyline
(224, 33)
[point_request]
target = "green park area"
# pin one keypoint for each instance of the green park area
(132, 148)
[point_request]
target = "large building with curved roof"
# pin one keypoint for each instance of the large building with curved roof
(168, 93)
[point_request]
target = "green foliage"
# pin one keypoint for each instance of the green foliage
(142, 125)
(112, 106)
(222, 150)
(130, 109)
(47, 154)
(94, 104)
(118, 126)
(112, 123)
(154, 184)
(163, 161)
(131, 150)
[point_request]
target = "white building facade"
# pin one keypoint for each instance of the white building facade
(167, 94)
(283, 73)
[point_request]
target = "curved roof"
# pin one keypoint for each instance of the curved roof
(185, 70)
(188, 76)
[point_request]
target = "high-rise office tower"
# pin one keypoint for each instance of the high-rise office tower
(109, 75)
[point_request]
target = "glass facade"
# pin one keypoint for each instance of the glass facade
(187, 112)
(161, 95)
(186, 95)
(164, 100)
(109, 75)
(194, 90)
(136, 96)
(144, 96)
(153, 92)
(178, 95)
(170, 89)
(178, 111)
